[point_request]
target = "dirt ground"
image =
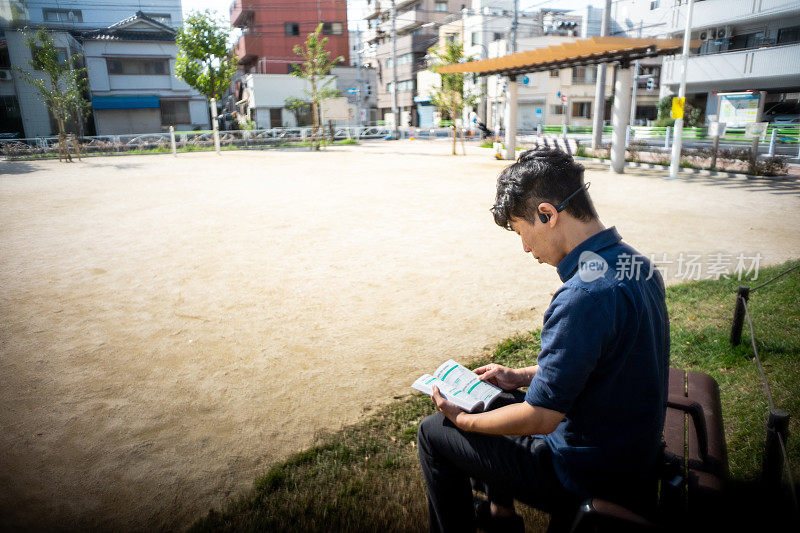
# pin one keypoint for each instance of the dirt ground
(172, 326)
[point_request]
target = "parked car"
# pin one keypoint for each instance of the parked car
(792, 120)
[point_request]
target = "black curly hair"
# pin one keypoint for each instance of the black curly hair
(540, 175)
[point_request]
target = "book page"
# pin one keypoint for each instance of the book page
(426, 383)
(465, 379)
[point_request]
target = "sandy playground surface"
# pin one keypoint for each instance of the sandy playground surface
(173, 326)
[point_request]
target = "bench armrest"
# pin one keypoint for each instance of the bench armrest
(695, 410)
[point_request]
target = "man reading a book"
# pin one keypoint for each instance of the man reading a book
(590, 422)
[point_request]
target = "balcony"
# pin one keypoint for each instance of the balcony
(742, 69)
(246, 48)
(241, 13)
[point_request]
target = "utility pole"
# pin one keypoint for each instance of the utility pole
(675, 160)
(359, 81)
(395, 107)
(514, 23)
(600, 87)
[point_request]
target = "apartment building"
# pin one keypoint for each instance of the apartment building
(272, 28)
(746, 46)
(129, 53)
(131, 68)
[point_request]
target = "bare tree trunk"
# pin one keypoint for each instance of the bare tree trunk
(63, 149)
(315, 108)
(463, 146)
(454, 137)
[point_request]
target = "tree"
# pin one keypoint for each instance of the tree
(450, 97)
(297, 106)
(61, 89)
(317, 64)
(205, 60)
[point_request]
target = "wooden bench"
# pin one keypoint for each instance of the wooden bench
(694, 469)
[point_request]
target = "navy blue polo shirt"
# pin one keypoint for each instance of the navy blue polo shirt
(605, 364)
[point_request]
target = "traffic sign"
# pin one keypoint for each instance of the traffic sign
(351, 90)
(677, 107)
(563, 98)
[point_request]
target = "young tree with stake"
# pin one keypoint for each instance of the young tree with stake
(451, 97)
(61, 89)
(316, 65)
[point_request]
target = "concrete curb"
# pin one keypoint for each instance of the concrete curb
(694, 171)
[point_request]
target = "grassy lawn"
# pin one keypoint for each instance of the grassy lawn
(366, 477)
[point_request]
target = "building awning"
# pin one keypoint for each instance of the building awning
(592, 51)
(144, 101)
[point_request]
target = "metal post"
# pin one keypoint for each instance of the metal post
(628, 134)
(564, 130)
(172, 141)
(359, 84)
(600, 87)
(214, 124)
(538, 129)
(772, 142)
(511, 118)
(666, 138)
(675, 161)
(777, 428)
(742, 295)
(635, 90)
(395, 107)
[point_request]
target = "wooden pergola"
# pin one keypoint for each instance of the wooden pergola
(593, 51)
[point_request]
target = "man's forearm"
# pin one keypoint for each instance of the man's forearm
(516, 419)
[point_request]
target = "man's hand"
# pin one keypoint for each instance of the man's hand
(446, 407)
(501, 376)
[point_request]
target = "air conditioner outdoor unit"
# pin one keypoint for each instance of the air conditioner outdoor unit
(706, 35)
(5, 75)
(723, 32)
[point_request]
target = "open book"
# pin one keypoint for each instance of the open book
(460, 385)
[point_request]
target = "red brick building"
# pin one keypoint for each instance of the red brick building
(271, 28)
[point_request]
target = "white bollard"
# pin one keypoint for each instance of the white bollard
(666, 139)
(172, 141)
(628, 136)
(564, 130)
(214, 124)
(772, 142)
(538, 129)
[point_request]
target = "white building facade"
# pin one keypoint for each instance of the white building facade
(109, 36)
(132, 79)
(746, 46)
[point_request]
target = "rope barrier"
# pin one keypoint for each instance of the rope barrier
(786, 464)
(776, 277)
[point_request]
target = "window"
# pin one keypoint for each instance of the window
(557, 109)
(789, 35)
(332, 28)
(748, 40)
(175, 112)
(655, 4)
(584, 75)
(405, 85)
(62, 15)
(149, 67)
(553, 73)
(389, 62)
(292, 28)
(405, 59)
(497, 36)
(440, 6)
(61, 52)
(450, 37)
(582, 109)
(476, 38)
(163, 18)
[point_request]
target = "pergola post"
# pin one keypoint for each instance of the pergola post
(622, 110)
(511, 118)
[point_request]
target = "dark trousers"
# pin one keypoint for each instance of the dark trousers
(509, 468)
